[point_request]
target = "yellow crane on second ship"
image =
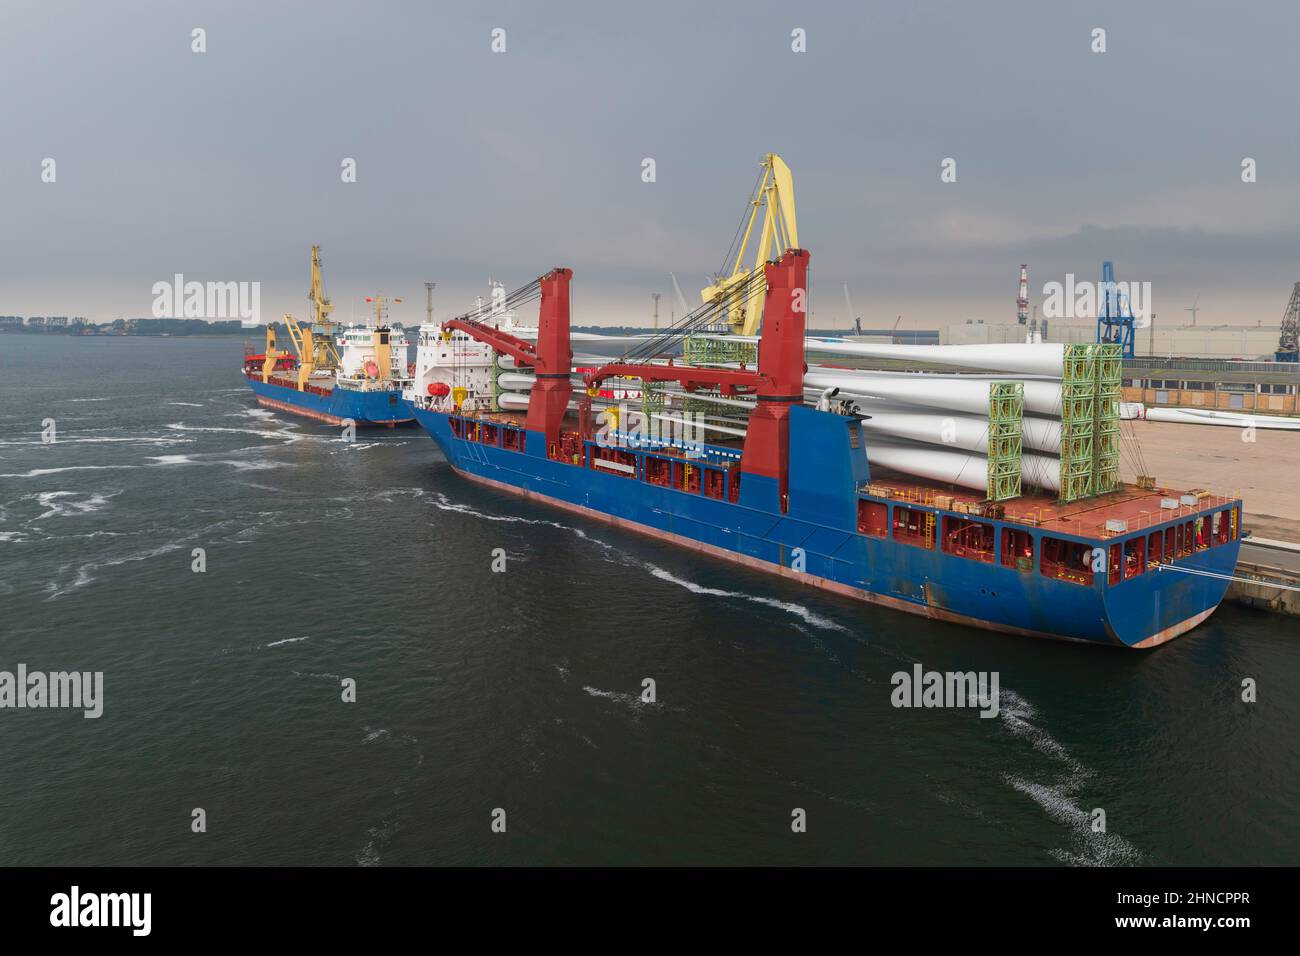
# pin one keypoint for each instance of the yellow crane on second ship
(314, 343)
(779, 231)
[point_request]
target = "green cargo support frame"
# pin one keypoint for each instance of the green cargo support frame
(714, 349)
(1006, 441)
(497, 390)
(1078, 422)
(1106, 440)
(718, 350)
(652, 399)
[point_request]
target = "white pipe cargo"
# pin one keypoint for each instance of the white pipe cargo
(1039, 358)
(1208, 416)
(518, 402)
(960, 432)
(954, 393)
(958, 467)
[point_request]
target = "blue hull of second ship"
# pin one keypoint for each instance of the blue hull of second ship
(376, 407)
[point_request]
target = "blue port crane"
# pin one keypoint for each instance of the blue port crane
(1114, 313)
(1288, 343)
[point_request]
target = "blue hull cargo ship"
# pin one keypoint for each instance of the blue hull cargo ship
(359, 377)
(793, 492)
(331, 403)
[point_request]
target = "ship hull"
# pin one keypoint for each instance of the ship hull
(379, 407)
(1142, 612)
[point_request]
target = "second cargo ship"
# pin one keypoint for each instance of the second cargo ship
(355, 375)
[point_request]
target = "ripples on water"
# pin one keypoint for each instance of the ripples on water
(370, 561)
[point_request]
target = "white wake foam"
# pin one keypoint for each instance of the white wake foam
(134, 440)
(85, 576)
(816, 620)
(58, 505)
(287, 640)
(40, 472)
(1059, 797)
(631, 700)
(443, 503)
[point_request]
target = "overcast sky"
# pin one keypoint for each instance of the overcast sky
(471, 164)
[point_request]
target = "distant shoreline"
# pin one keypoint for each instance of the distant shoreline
(122, 335)
(103, 332)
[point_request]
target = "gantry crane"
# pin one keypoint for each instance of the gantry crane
(1115, 322)
(1288, 343)
(778, 233)
(1022, 300)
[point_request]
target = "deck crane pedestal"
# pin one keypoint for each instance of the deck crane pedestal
(551, 358)
(777, 383)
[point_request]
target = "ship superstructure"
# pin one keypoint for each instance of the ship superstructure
(375, 355)
(449, 358)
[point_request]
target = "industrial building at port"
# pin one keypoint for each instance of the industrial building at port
(1230, 367)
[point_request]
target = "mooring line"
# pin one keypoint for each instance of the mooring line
(1228, 577)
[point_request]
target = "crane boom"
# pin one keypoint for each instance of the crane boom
(324, 355)
(777, 233)
(681, 299)
(313, 341)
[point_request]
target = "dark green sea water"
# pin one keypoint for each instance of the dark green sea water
(477, 690)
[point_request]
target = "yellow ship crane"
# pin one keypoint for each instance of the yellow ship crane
(271, 353)
(325, 356)
(777, 233)
(314, 343)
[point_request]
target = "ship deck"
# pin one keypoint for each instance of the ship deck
(1137, 507)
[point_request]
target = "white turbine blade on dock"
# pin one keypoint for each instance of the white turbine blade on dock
(1208, 416)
